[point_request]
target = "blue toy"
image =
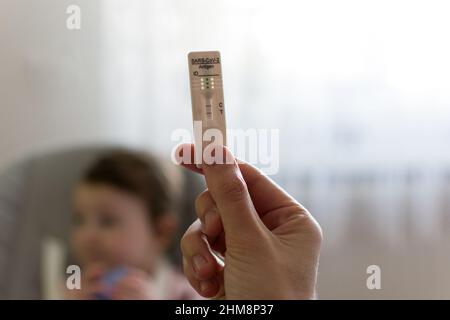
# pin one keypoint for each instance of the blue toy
(110, 279)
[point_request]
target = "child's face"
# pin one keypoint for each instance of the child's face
(112, 228)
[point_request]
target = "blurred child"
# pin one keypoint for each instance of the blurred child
(123, 224)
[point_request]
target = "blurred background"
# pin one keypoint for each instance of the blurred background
(360, 91)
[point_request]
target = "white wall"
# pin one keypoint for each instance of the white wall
(49, 78)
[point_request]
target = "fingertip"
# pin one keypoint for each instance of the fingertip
(183, 153)
(185, 157)
(209, 288)
(212, 226)
(184, 146)
(203, 268)
(217, 154)
(197, 257)
(192, 167)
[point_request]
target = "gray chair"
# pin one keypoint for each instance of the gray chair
(35, 203)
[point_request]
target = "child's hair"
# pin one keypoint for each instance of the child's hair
(136, 173)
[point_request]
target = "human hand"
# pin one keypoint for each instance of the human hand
(269, 241)
(135, 285)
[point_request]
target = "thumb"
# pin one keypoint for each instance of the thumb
(230, 193)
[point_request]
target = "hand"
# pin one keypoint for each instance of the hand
(91, 284)
(269, 241)
(134, 285)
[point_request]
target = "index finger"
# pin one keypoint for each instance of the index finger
(266, 195)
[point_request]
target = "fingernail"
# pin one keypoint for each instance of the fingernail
(198, 262)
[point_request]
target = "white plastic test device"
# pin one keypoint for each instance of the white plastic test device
(208, 109)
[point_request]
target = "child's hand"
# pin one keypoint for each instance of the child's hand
(91, 283)
(135, 285)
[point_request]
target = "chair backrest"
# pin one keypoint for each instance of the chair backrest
(35, 204)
